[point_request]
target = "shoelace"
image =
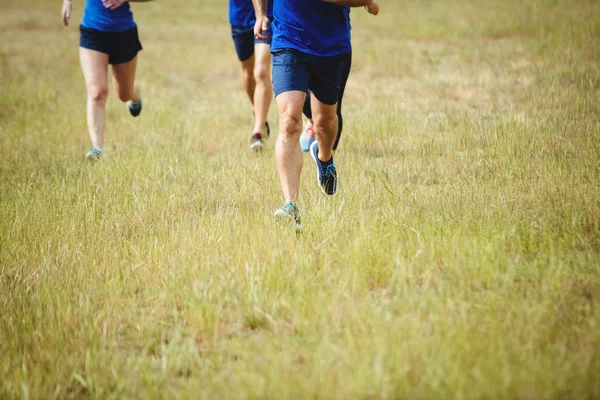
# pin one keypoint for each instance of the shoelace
(330, 170)
(289, 208)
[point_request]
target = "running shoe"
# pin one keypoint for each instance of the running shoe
(307, 138)
(326, 173)
(134, 108)
(93, 155)
(289, 212)
(256, 142)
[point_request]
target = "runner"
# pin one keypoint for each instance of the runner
(308, 134)
(108, 35)
(311, 43)
(255, 58)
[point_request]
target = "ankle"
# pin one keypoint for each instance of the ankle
(324, 160)
(260, 127)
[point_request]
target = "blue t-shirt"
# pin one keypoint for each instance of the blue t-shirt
(241, 13)
(311, 26)
(100, 18)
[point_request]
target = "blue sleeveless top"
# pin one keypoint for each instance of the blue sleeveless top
(100, 18)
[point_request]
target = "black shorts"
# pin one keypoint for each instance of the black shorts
(121, 47)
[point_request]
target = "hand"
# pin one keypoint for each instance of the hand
(261, 28)
(373, 8)
(66, 12)
(113, 4)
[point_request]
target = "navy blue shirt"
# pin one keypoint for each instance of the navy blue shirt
(100, 18)
(311, 26)
(241, 13)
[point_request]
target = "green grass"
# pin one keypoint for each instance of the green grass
(461, 258)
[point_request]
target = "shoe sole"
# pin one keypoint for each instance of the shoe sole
(302, 140)
(283, 216)
(312, 154)
(257, 146)
(305, 149)
(92, 158)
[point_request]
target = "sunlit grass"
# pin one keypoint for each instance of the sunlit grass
(459, 260)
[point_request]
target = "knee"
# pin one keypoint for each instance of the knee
(98, 93)
(291, 125)
(261, 73)
(325, 124)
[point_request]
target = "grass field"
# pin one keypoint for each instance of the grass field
(460, 259)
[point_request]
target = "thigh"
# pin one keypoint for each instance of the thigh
(94, 65)
(124, 75)
(325, 80)
(322, 111)
(243, 39)
(262, 55)
(290, 105)
(290, 73)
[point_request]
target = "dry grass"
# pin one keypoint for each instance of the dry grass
(461, 258)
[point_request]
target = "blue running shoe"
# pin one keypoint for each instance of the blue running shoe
(93, 155)
(326, 173)
(307, 138)
(134, 108)
(289, 212)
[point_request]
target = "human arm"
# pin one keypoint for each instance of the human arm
(373, 8)
(350, 3)
(261, 27)
(66, 12)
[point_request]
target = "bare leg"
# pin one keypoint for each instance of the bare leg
(287, 149)
(248, 78)
(95, 72)
(124, 81)
(326, 126)
(263, 93)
